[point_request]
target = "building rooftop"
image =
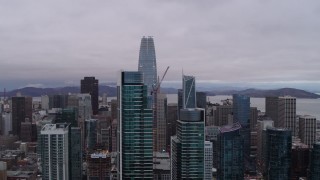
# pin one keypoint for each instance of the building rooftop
(59, 127)
(229, 128)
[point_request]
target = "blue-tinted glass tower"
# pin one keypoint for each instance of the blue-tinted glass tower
(187, 147)
(315, 163)
(241, 114)
(230, 164)
(135, 122)
(90, 133)
(189, 92)
(279, 142)
(147, 62)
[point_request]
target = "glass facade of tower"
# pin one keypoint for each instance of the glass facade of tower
(279, 142)
(76, 154)
(241, 114)
(147, 62)
(90, 133)
(230, 163)
(189, 92)
(135, 131)
(315, 163)
(187, 161)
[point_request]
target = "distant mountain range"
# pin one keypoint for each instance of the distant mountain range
(111, 92)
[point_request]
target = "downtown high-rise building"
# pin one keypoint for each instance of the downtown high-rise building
(278, 153)
(161, 124)
(90, 85)
(135, 125)
(241, 114)
(230, 162)
(21, 110)
(55, 148)
(282, 111)
(187, 147)
(189, 92)
(315, 163)
(307, 129)
(147, 63)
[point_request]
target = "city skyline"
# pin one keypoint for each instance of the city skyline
(220, 42)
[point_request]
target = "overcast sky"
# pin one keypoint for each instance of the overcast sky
(58, 42)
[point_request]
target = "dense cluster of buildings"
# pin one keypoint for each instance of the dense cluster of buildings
(139, 135)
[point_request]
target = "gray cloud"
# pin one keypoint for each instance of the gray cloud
(260, 41)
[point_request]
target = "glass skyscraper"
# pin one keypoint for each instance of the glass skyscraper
(187, 147)
(315, 163)
(189, 92)
(135, 157)
(230, 164)
(279, 143)
(241, 114)
(147, 62)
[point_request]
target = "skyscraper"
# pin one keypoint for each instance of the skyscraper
(90, 133)
(135, 123)
(279, 142)
(147, 62)
(208, 158)
(187, 147)
(189, 92)
(230, 163)
(76, 153)
(91, 85)
(21, 109)
(161, 123)
(307, 130)
(315, 163)
(54, 142)
(282, 111)
(241, 114)
(287, 110)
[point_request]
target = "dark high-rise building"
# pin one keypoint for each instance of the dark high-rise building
(147, 62)
(91, 85)
(230, 163)
(272, 109)
(58, 101)
(75, 154)
(90, 133)
(21, 110)
(282, 111)
(172, 117)
(69, 115)
(26, 131)
(180, 102)
(241, 114)
(99, 165)
(201, 99)
(315, 163)
(187, 147)
(253, 117)
(161, 124)
(135, 125)
(221, 115)
(300, 158)
(279, 143)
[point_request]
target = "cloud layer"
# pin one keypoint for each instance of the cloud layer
(56, 42)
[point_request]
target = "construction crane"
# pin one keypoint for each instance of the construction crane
(155, 87)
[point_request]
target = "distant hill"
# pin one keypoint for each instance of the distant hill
(263, 93)
(112, 92)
